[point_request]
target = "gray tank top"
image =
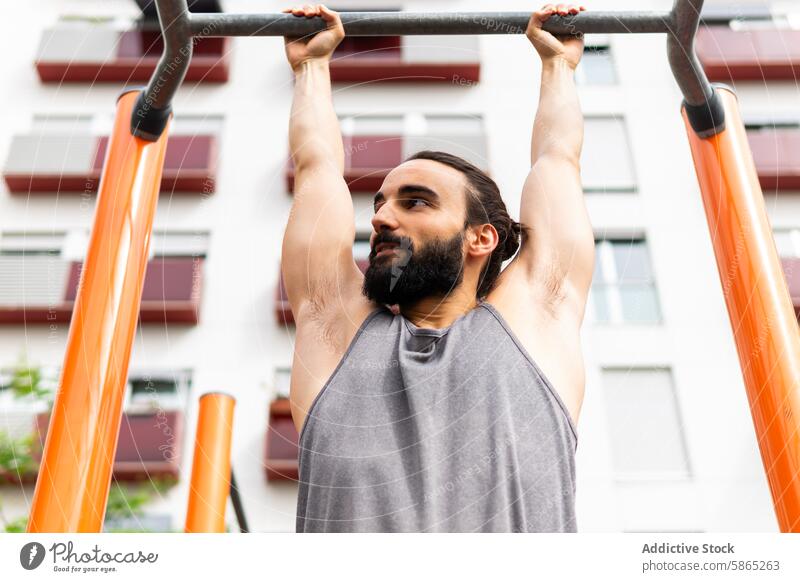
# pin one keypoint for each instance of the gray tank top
(437, 430)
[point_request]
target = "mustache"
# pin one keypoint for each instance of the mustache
(386, 237)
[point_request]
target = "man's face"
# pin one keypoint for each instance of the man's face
(417, 247)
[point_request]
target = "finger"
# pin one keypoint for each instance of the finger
(328, 14)
(561, 9)
(548, 8)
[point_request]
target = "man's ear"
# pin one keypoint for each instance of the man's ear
(483, 239)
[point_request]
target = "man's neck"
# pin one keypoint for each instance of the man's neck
(439, 312)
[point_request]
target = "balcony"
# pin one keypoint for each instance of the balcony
(41, 289)
(283, 311)
(374, 145)
(415, 59)
(92, 51)
(281, 451)
(148, 445)
(776, 153)
(43, 162)
(748, 55)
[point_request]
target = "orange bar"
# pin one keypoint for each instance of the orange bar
(75, 473)
(764, 324)
(211, 467)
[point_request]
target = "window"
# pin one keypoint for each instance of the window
(597, 65)
(371, 124)
(148, 392)
(606, 164)
(644, 423)
(31, 243)
(459, 134)
(179, 244)
(32, 271)
(623, 287)
(787, 240)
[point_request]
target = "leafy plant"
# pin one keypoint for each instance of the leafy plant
(26, 382)
(16, 455)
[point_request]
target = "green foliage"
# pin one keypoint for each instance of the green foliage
(26, 382)
(129, 500)
(16, 456)
(19, 525)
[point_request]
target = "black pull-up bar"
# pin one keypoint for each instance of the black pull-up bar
(179, 27)
(419, 23)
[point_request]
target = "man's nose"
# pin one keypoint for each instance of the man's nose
(384, 218)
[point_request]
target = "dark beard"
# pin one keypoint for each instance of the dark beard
(407, 276)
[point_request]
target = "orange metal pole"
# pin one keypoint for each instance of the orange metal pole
(75, 474)
(211, 467)
(764, 324)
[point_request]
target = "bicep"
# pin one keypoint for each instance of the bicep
(317, 252)
(557, 255)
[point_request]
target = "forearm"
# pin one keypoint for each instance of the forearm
(314, 135)
(558, 127)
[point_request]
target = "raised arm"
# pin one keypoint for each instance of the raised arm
(557, 253)
(317, 253)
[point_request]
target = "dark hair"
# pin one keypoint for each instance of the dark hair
(484, 205)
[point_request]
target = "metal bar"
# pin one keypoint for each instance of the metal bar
(238, 507)
(75, 475)
(154, 104)
(756, 294)
(211, 466)
(416, 23)
(688, 72)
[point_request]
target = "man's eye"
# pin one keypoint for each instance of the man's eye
(412, 201)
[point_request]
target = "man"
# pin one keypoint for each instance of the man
(437, 392)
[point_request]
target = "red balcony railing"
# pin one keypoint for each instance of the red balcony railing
(72, 164)
(776, 153)
(128, 56)
(748, 55)
(46, 294)
(388, 60)
(281, 450)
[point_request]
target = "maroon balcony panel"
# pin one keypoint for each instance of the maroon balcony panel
(171, 293)
(148, 445)
(748, 55)
(138, 52)
(791, 268)
(776, 153)
(189, 167)
(380, 59)
(368, 159)
(365, 70)
(189, 163)
(280, 460)
(369, 47)
(283, 311)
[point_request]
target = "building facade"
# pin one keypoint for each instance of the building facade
(666, 440)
